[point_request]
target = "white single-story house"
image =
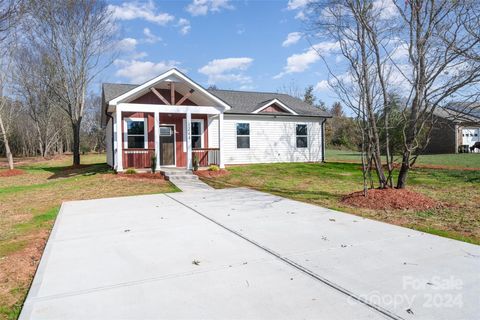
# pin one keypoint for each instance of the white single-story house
(180, 122)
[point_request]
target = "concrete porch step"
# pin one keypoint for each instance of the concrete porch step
(178, 174)
(181, 177)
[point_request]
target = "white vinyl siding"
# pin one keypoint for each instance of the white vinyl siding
(272, 140)
(213, 131)
(108, 142)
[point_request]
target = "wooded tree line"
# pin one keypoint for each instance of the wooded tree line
(402, 60)
(52, 51)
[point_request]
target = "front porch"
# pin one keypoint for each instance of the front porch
(176, 139)
(170, 118)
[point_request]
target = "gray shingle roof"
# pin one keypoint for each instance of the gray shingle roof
(458, 113)
(240, 101)
(247, 102)
(113, 90)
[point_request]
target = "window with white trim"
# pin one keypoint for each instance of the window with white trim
(243, 135)
(302, 136)
(135, 133)
(197, 134)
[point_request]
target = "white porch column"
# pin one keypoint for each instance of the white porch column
(156, 128)
(220, 140)
(118, 124)
(189, 139)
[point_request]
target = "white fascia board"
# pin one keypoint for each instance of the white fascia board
(147, 85)
(275, 101)
(162, 108)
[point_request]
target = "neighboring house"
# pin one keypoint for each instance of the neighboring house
(454, 126)
(177, 120)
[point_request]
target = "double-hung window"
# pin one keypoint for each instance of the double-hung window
(302, 136)
(135, 133)
(243, 135)
(196, 134)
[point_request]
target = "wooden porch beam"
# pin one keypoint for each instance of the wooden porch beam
(172, 92)
(159, 95)
(185, 97)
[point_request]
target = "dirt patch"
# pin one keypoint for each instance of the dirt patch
(390, 199)
(11, 173)
(440, 167)
(143, 175)
(18, 268)
(211, 174)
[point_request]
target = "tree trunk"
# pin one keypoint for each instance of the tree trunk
(8, 152)
(76, 142)
(403, 174)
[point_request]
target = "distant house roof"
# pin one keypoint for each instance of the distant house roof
(459, 112)
(241, 102)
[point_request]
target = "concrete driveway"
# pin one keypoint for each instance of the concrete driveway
(243, 254)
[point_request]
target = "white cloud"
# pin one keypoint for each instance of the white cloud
(227, 70)
(127, 44)
(141, 71)
(203, 7)
(386, 9)
(300, 62)
(137, 10)
(184, 26)
(150, 37)
(292, 38)
(297, 4)
(322, 86)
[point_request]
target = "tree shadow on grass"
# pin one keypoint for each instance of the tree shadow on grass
(73, 171)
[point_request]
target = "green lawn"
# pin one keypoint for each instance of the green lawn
(460, 160)
(29, 204)
(326, 184)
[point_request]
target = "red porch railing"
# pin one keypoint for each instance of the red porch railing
(137, 158)
(206, 156)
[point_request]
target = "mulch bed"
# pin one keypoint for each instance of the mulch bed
(142, 175)
(11, 173)
(211, 174)
(391, 199)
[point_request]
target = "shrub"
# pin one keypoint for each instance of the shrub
(195, 163)
(153, 163)
(130, 171)
(213, 167)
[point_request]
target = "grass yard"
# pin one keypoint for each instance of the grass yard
(29, 204)
(326, 184)
(461, 160)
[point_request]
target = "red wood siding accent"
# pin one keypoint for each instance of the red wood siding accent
(142, 160)
(151, 98)
(274, 108)
(139, 160)
(177, 120)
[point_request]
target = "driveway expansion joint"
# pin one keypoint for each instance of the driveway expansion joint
(297, 266)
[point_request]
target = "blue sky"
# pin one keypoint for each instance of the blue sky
(241, 45)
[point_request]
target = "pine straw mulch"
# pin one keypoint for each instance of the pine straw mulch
(211, 173)
(391, 199)
(18, 268)
(11, 173)
(141, 176)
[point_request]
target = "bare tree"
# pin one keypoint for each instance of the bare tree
(77, 37)
(347, 24)
(6, 117)
(33, 82)
(8, 15)
(291, 89)
(443, 66)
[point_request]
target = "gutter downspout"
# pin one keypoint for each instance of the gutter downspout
(113, 141)
(323, 139)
